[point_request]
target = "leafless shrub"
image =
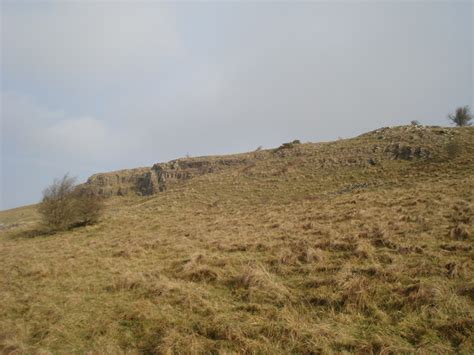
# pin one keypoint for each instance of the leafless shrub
(65, 206)
(88, 207)
(462, 116)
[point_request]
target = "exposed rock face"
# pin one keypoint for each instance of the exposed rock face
(119, 183)
(406, 152)
(149, 181)
(183, 169)
(410, 142)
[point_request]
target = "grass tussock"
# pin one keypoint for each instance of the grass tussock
(258, 285)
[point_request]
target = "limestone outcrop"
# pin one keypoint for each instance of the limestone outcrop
(120, 183)
(407, 152)
(149, 181)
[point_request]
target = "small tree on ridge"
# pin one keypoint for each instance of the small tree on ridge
(462, 116)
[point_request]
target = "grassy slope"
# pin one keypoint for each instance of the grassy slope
(301, 251)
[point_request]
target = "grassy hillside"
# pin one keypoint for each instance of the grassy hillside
(359, 245)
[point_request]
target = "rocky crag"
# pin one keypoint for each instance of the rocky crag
(404, 143)
(149, 181)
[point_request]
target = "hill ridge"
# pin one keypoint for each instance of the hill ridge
(391, 141)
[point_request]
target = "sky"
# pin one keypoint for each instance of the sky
(96, 86)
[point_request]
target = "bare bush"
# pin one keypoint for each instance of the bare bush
(462, 116)
(88, 207)
(65, 206)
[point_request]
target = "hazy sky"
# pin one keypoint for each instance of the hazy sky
(96, 86)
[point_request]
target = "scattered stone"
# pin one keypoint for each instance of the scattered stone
(405, 152)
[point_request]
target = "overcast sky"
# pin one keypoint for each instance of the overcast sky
(89, 87)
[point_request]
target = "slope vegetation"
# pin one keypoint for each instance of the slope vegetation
(359, 245)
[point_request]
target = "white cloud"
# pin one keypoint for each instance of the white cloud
(40, 143)
(31, 129)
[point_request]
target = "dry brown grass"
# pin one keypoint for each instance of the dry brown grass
(329, 255)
